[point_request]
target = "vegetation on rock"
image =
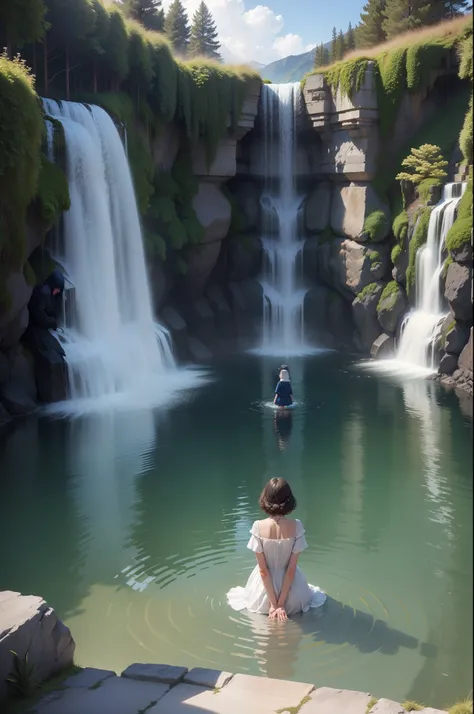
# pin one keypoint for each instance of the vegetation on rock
(53, 192)
(426, 162)
(388, 297)
(375, 225)
(420, 234)
(459, 234)
(466, 72)
(396, 253)
(400, 227)
(369, 289)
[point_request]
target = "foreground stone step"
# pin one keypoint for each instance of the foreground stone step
(162, 673)
(336, 701)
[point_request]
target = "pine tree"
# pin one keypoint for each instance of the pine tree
(350, 38)
(340, 45)
(333, 54)
(204, 40)
(177, 27)
(370, 31)
(148, 13)
(403, 15)
(318, 55)
(427, 162)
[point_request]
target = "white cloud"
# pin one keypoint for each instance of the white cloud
(249, 33)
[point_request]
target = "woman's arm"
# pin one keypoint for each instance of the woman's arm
(288, 579)
(266, 579)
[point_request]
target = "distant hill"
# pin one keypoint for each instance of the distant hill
(289, 69)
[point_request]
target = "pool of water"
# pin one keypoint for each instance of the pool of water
(134, 526)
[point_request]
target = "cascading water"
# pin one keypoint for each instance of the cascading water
(283, 330)
(419, 329)
(114, 350)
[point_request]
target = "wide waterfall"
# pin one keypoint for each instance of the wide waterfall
(419, 329)
(116, 354)
(283, 331)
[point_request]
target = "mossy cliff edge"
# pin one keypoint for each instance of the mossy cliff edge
(369, 111)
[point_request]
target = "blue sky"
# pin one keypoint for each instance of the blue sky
(267, 30)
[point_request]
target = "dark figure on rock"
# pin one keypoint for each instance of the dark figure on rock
(45, 309)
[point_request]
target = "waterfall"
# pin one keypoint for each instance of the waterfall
(419, 329)
(283, 328)
(115, 352)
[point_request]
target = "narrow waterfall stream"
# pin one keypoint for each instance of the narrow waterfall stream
(283, 328)
(419, 329)
(115, 352)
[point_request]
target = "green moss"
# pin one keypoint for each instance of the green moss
(424, 188)
(53, 192)
(391, 83)
(411, 706)
(370, 704)
(396, 253)
(375, 225)
(465, 137)
(374, 257)
(465, 707)
(347, 76)
(388, 296)
(369, 289)
(400, 228)
(446, 264)
(21, 135)
(459, 234)
(418, 239)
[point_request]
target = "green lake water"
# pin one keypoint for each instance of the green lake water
(134, 526)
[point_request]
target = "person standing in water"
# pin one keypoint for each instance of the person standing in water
(283, 391)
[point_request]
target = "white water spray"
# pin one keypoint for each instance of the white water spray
(283, 330)
(419, 330)
(115, 352)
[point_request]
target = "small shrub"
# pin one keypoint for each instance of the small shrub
(411, 706)
(426, 162)
(376, 225)
(424, 189)
(400, 227)
(465, 707)
(24, 679)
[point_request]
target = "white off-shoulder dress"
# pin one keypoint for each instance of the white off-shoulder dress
(253, 596)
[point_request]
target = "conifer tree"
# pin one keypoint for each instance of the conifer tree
(148, 13)
(333, 53)
(21, 22)
(350, 38)
(427, 162)
(177, 27)
(340, 45)
(204, 40)
(370, 31)
(403, 15)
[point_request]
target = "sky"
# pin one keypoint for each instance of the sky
(253, 32)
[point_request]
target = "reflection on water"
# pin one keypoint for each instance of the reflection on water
(134, 527)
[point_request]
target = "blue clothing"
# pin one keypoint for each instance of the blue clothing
(283, 391)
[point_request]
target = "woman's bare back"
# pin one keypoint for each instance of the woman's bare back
(277, 529)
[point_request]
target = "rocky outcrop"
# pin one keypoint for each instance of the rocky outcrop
(348, 266)
(18, 392)
(351, 206)
(391, 308)
(28, 626)
(328, 319)
(364, 310)
(318, 207)
(458, 291)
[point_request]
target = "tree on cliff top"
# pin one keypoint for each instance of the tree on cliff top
(177, 27)
(321, 56)
(21, 22)
(204, 42)
(148, 13)
(370, 31)
(350, 38)
(427, 162)
(333, 54)
(340, 45)
(403, 15)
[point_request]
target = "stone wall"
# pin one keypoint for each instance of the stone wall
(28, 626)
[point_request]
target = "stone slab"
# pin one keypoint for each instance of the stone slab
(244, 693)
(117, 695)
(430, 710)
(165, 673)
(212, 678)
(387, 706)
(88, 677)
(336, 701)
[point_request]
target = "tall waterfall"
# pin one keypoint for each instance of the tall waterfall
(283, 331)
(419, 329)
(115, 352)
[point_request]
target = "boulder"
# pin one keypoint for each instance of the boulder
(222, 312)
(200, 320)
(383, 347)
(458, 291)
(349, 267)
(244, 257)
(317, 207)
(364, 311)
(448, 364)
(213, 212)
(14, 320)
(246, 195)
(392, 308)
(51, 373)
(351, 205)
(400, 266)
(29, 626)
(456, 338)
(328, 318)
(178, 329)
(463, 254)
(18, 393)
(465, 358)
(201, 261)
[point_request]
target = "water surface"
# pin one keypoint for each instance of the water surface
(134, 527)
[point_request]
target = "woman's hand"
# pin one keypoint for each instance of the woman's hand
(277, 613)
(272, 613)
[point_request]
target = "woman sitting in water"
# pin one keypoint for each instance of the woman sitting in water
(276, 586)
(283, 391)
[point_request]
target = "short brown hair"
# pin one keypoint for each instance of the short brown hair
(277, 498)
